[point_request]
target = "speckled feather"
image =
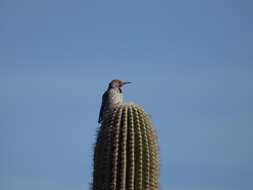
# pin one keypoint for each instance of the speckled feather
(111, 98)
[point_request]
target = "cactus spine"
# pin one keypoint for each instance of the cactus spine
(126, 152)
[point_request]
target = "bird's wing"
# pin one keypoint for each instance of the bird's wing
(102, 107)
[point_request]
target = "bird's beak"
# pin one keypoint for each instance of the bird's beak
(126, 83)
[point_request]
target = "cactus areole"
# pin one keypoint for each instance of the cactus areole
(126, 152)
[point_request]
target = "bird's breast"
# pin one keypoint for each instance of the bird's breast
(114, 99)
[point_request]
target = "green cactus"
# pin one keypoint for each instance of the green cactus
(126, 152)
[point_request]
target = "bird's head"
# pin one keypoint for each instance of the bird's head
(117, 84)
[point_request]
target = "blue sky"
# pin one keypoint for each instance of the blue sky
(191, 68)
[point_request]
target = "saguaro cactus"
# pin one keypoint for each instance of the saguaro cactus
(126, 152)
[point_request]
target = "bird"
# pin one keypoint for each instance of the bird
(112, 97)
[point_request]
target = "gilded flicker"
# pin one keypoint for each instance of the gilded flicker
(112, 97)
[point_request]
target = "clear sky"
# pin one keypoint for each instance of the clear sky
(191, 68)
